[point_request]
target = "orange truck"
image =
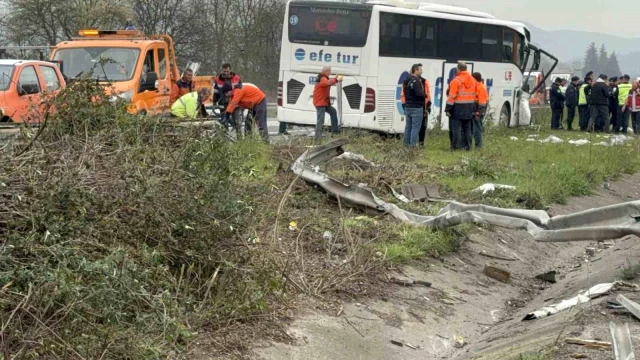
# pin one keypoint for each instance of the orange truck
(142, 69)
(25, 85)
(534, 78)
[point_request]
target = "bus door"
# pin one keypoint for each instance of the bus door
(448, 73)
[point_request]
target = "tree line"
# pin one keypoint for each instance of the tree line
(245, 33)
(600, 62)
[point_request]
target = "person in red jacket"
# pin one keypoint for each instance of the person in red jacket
(248, 97)
(182, 87)
(633, 105)
(226, 77)
(322, 101)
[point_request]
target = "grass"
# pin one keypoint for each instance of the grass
(543, 174)
(630, 271)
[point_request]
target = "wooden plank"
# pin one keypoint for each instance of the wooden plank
(497, 273)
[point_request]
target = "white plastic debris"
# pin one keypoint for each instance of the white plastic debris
(579, 142)
(531, 139)
(514, 138)
(585, 297)
(327, 235)
(492, 187)
(533, 136)
(552, 139)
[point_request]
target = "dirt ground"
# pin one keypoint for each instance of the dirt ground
(465, 306)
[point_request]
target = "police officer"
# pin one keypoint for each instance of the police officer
(583, 103)
(623, 112)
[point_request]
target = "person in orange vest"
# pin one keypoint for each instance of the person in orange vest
(250, 97)
(483, 99)
(461, 107)
(182, 86)
(322, 101)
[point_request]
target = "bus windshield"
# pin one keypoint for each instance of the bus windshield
(103, 63)
(333, 25)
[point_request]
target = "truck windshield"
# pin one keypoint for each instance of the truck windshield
(334, 25)
(103, 63)
(6, 71)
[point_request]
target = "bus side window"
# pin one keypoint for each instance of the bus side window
(507, 44)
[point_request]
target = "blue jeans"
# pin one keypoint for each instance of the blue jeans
(321, 110)
(413, 124)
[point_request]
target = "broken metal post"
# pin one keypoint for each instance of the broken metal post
(632, 306)
(622, 345)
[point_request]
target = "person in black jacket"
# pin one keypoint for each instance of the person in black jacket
(599, 101)
(613, 102)
(414, 105)
(557, 104)
(571, 100)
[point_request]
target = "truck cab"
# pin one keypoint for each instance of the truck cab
(25, 86)
(141, 69)
(533, 79)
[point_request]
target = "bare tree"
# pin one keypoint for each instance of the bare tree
(245, 33)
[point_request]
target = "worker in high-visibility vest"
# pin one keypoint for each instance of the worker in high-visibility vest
(478, 120)
(250, 97)
(191, 105)
(583, 103)
(623, 113)
(461, 107)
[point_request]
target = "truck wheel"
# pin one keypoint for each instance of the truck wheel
(505, 115)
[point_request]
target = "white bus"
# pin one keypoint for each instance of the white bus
(374, 45)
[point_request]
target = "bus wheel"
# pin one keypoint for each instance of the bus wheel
(142, 112)
(505, 115)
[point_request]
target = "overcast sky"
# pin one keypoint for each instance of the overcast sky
(616, 17)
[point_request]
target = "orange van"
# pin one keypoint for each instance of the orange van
(141, 68)
(23, 85)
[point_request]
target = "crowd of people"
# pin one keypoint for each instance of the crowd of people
(604, 104)
(466, 107)
(229, 93)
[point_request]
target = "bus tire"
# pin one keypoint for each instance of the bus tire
(6, 119)
(505, 115)
(142, 112)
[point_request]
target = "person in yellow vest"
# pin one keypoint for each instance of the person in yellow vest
(583, 103)
(623, 113)
(191, 105)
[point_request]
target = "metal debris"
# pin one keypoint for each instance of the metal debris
(632, 306)
(622, 345)
(605, 223)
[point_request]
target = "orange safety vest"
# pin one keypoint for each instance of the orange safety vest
(463, 96)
